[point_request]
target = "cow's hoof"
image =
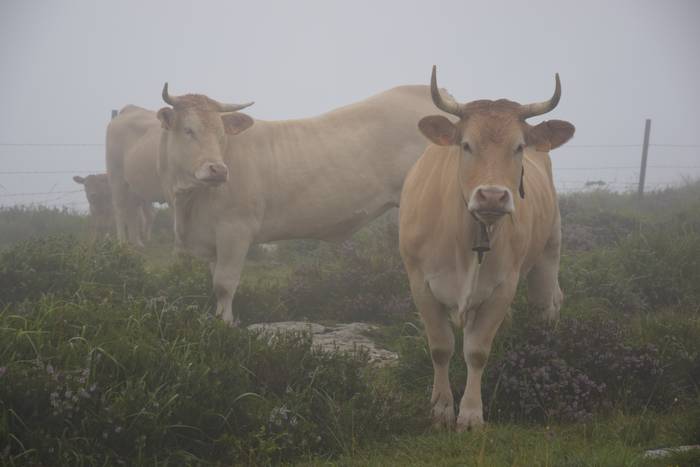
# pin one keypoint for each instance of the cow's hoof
(470, 420)
(443, 415)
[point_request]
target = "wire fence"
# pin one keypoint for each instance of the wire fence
(621, 177)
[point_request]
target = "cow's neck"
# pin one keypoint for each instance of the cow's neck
(182, 207)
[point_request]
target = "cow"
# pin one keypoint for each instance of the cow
(478, 211)
(99, 199)
(233, 181)
(131, 157)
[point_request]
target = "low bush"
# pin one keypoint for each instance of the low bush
(361, 280)
(18, 223)
(581, 366)
(655, 268)
(151, 382)
(65, 267)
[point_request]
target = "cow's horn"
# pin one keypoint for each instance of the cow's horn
(167, 97)
(233, 107)
(448, 105)
(539, 108)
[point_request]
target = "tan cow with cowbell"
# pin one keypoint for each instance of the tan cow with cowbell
(233, 182)
(478, 211)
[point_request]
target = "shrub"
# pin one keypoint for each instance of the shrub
(541, 373)
(361, 280)
(63, 266)
(151, 382)
(18, 223)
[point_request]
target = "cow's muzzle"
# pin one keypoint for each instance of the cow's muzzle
(211, 172)
(489, 203)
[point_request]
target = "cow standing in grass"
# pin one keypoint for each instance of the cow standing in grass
(131, 158)
(233, 182)
(99, 198)
(478, 210)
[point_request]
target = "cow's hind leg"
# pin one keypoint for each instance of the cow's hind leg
(441, 342)
(133, 222)
(543, 289)
(147, 216)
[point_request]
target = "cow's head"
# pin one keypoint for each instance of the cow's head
(196, 129)
(492, 136)
(97, 192)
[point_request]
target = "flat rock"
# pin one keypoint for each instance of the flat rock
(664, 452)
(347, 338)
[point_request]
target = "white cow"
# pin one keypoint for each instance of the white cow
(131, 159)
(233, 182)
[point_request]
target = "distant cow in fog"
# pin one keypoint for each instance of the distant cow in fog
(233, 182)
(131, 157)
(100, 199)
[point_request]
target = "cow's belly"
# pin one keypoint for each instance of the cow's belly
(329, 219)
(445, 288)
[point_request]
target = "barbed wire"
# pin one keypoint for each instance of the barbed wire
(46, 172)
(97, 171)
(583, 145)
(43, 193)
(50, 144)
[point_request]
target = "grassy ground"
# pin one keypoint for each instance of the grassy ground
(109, 356)
(616, 441)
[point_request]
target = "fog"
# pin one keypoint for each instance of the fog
(67, 64)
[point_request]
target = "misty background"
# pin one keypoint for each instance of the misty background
(66, 64)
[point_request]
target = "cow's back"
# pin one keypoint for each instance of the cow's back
(327, 176)
(132, 151)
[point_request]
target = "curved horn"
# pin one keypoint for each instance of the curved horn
(448, 105)
(233, 107)
(539, 108)
(167, 97)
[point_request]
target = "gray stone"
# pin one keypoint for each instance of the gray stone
(665, 452)
(346, 338)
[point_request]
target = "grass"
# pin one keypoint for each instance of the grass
(616, 441)
(159, 382)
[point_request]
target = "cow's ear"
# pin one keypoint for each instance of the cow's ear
(166, 115)
(439, 130)
(550, 134)
(236, 122)
(79, 179)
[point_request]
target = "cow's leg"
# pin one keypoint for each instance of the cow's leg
(93, 229)
(147, 216)
(543, 289)
(120, 219)
(479, 331)
(120, 202)
(231, 249)
(441, 341)
(133, 222)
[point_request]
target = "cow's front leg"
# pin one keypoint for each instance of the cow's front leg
(441, 342)
(479, 331)
(231, 249)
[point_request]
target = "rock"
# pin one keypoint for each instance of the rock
(339, 337)
(665, 452)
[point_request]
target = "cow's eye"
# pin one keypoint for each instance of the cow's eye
(189, 132)
(466, 147)
(519, 149)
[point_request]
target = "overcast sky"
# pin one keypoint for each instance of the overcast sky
(66, 64)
